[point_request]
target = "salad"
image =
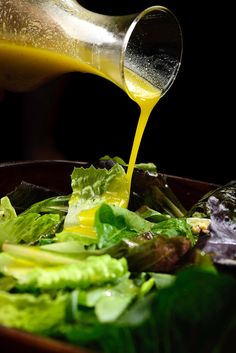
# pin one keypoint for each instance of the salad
(119, 271)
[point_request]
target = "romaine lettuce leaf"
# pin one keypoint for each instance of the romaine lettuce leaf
(92, 187)
(28, 228)
(38, 314)
(66, 248)
(57, 204)
(7, 211)
(94, 270)
(36, 255)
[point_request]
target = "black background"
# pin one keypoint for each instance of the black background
(82, 117)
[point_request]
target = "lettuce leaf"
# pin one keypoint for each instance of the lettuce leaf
(7, 211)
(109, 301)
(186, 315)
(113, 224)
(92, 187)
(36, 255)
(57, 204)
(151, 215)
(149, 167)
(94, 270)
(40, 220)
(30, 313)
(26, 194)
(28, 228)
(173, 227)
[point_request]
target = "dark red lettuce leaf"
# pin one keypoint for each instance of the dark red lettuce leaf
(160, 254)
(220, 205)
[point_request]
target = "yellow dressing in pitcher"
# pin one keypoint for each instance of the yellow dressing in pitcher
(23, 67)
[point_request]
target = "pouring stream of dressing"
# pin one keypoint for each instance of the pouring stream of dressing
(34, 66)
(146, 96)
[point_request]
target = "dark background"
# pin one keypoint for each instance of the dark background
(82, 117)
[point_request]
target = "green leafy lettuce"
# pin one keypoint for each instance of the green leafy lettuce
(94, 270)
(38, 314)
(109, 279)
(28, 228)
(113, 224)
(7, 211)
(91, 188)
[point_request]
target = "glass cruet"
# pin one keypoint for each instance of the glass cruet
(42, 39)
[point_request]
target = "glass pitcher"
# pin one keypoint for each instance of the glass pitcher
(42, 39)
